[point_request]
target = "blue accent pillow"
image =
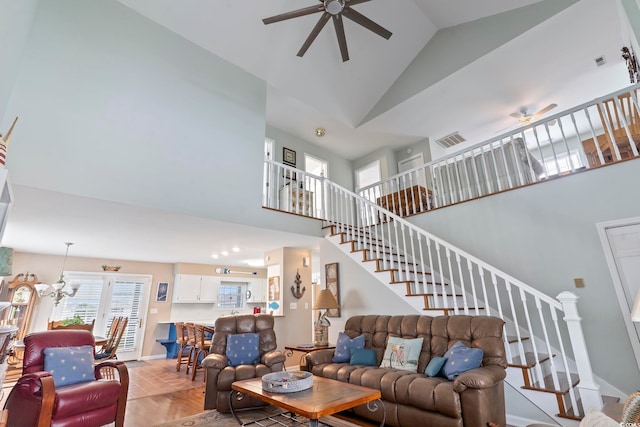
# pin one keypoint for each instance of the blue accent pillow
(434, 366)
(461, 358)
(242, 349)
(363, 356)
(344, 345)
(402, 354)
(69, 365)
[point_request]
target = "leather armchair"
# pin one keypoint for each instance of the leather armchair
(36, 401)
(220, 375)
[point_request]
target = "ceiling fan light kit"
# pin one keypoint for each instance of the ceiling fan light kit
(334, 10)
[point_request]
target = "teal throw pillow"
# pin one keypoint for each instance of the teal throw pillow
(461, 358)
(402, 354)
(434, 366)
(342, 353)
(363, 356)
(69, 365)
(242, 349)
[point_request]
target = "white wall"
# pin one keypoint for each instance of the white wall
(545, 235)
(116, 107)
(360, 293)
(16, 19)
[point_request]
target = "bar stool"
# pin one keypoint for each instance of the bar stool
(201, 348)
(191, 338)
(184, 346)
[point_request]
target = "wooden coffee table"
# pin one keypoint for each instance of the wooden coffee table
(325, 397)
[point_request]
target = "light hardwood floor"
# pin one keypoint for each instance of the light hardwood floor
(157, 393)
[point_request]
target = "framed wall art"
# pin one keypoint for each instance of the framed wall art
(163, 290)
(288, 156)
(332, 280)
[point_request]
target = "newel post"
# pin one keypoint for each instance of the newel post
(589, 389)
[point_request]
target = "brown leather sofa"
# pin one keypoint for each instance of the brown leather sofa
(220, 375)
(473, 399)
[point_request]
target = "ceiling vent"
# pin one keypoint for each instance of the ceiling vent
(451, 140)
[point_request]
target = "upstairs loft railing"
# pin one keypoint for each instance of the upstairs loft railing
(449, 278)
(597, 133)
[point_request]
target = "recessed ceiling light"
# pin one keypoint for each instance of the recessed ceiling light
(235, 249)
(224, 253)
(214, 256)
(320, 132)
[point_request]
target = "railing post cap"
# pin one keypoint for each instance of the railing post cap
(567, 296)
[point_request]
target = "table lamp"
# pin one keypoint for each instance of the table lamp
(324, 301)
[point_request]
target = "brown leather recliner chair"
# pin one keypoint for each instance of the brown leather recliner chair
(220, 375)
(36, 401)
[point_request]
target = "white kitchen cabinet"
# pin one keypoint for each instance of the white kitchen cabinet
(191, 288)
(258, 290)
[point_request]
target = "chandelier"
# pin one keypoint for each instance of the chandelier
(59, 289)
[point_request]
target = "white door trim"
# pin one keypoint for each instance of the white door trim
(615, 277)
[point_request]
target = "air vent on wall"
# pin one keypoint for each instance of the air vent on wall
(451, 140)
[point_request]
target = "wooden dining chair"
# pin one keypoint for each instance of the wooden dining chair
(184, 345)
(201, 348)
(108, 351)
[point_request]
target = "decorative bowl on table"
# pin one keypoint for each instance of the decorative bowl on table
(287, 382)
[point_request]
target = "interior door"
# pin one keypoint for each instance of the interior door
(416, 178)
(621, 243)
(105, 296)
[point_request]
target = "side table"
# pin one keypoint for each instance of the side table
(305, 349)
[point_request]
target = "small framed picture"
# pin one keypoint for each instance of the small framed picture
(163, 290)
(288, 156)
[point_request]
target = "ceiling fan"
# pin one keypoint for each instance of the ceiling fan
(334, 9)
(525, 118)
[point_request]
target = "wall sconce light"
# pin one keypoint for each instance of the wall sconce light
(306, 261)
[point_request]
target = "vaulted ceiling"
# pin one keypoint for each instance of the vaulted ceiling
(450, 65)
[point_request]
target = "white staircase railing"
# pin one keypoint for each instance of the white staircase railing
(561, 144)
(453, 280)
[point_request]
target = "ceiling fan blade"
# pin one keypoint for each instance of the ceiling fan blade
(342, 40)
(314, 33)
(294, 14)
(516, 115)
(359, 18)
(354, 2)
(545, 109)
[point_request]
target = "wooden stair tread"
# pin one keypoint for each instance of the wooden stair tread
(452, 309)
(513, 338)
(530, 360)
(410, 271)
(431, 294)
(547, 385)
(408, 282)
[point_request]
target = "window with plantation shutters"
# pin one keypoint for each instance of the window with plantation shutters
(86, 303)
(103, 297)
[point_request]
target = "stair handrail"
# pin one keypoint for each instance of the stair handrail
(398, 182)
(590, 394)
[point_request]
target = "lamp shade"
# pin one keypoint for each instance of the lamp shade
(635, 312)
(6, 261)
(325, 300)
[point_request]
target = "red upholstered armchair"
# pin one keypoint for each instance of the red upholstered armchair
(36, 401)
